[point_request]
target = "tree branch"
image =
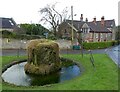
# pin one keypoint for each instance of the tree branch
(52, 16)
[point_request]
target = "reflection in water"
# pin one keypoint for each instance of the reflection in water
(69, 72)
(17, 76)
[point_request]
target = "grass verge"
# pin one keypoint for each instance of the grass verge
(103, 77)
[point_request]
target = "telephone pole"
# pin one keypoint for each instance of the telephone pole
(72, 25)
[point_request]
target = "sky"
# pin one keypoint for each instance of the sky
(26, 11)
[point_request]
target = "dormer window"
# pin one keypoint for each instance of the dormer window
(11, 22)
(85, 30)
(88, 30)
(111, 25)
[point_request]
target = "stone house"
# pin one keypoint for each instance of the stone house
(94, 31)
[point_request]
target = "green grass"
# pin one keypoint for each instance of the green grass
(8, 59)
(103, 77)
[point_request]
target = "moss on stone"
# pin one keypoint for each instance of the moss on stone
(43, 57)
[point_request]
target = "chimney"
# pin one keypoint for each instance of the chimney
(102, 20)
(94, 19)
(86, 20)
(81, 18)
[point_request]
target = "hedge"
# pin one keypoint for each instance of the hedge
(8, 34)
(98, 45)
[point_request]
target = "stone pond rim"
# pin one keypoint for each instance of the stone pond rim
(43, 57)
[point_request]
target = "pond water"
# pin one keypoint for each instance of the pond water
(16, 75)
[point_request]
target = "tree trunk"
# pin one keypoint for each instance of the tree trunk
(55, 31)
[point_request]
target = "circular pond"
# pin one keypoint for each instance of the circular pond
(16, 75)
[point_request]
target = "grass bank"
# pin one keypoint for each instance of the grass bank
(103, 77)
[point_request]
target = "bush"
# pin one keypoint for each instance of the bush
(7, 34)
(52, 37)
(28, 37)
(99, 45)
(117, 42)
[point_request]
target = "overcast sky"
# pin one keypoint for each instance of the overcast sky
(25, 11)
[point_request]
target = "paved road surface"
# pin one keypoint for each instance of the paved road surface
(114, 53)
(63, 51)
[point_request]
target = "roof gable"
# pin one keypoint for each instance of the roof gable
(85, 25)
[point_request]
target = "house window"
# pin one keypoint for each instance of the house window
(101, 35)
(85, 30)
(96, 35)
(82, 30)
(11, 22)
(109, 34)
(106, 35)
(88, 30)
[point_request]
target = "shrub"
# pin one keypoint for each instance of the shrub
(98, 45)
(7, 34)
(117, 42)
(28, 37)
(52, 37)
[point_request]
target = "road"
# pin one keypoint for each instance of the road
(11, 52)
(114, 53)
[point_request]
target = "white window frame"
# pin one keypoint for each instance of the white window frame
(88, 30)
(96, 35)
(106, 35)
(101, 35)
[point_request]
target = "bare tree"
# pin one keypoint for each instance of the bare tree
(51, 15)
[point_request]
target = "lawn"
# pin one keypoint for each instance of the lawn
(103, 77)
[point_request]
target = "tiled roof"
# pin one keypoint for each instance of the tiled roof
(77, 24)
(8, 23)
(94, 27)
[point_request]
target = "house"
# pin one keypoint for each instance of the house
(9, 24)
(94, 31)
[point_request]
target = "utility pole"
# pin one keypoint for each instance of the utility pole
(72, 25)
